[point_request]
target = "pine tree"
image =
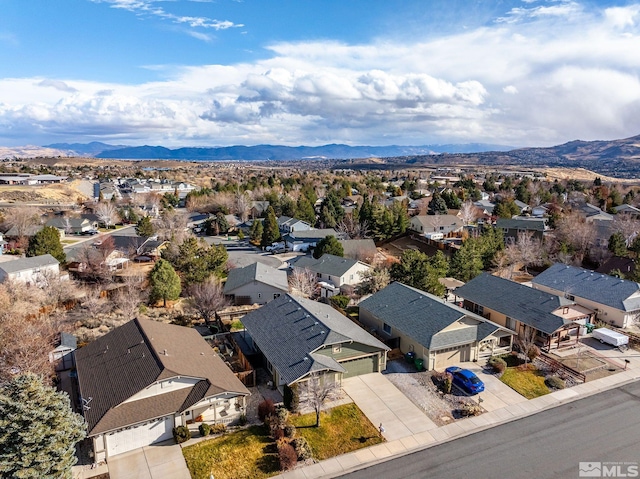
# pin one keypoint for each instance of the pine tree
(165, 282)
(328, 245)
(305, 211)
(145, 227)
(255, 233)
(39, 430)
(617, 244)
(437, 205)
(47, 241)
(271, 232)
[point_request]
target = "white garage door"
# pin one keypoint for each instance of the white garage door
(452, 357)
(139, 436)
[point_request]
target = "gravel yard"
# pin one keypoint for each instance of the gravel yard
(421, 390)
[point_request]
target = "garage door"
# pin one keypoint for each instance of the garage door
(139, 436)
(356, 367)
(452, 357)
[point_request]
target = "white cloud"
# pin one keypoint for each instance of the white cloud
(510, 89)
(57, 84)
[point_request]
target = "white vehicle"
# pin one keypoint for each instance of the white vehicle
(277, 246)
(605, 335)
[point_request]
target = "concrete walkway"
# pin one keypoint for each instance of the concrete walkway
(378, 406)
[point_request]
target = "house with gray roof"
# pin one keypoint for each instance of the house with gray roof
(615, 301)
(72, 225)
(514, 227)
(440, 224)
(440, 333)
(286, 224)
(256, 283)
(144, 378)
(297, 337)
(549, 319)
(303, 240)
(335, 274)
(30, 271)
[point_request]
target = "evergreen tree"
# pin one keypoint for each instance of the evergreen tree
(466, 263)
(506, 209)
(418, 270)
(145, 227)
(305, 211)
(437, 205)
(217, 225)
(165, 282)
(331, 212)
(617, 244)
(46, 241)
(196, 261)
(271, 232)
(328, 245)
(255, 233)
(38, 430)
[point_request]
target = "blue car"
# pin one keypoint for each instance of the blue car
(466, 380)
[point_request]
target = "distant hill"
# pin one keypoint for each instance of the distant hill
(276, 152)
(85, 149)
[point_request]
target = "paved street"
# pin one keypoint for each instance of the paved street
(604, 428)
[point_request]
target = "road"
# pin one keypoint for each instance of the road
(601, 428)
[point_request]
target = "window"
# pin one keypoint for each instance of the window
(276, 295)
(511, 323)
(386, 328)
(570, 297)
(337, 348)
(259, 295)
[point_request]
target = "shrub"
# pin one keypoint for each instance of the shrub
(339, 301)
(287, 455)
(533, 352)
(217, 429)
(242, 420)
(555, 382)
(181, 434)
(204, 429)
(289, 431)
(302, 448)
(291, 397)
(498, 364)
(470, 410)
(266, 409)
(447, 382)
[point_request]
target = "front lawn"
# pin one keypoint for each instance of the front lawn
(526, 380)
(342, 429)
(251, 454)
(246, 454)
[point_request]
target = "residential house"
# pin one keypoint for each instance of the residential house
(298, 337)
(63, 354)
(514, 227)
(72, 225)
(539, 211)
(258, 209)
(30, 271)
(286, 224)
(546, 318)
(196, 221)
(628, 210)
(615, 301)
(335, 274)
(439, 224)
(303, 240)
(440, 333)
(3, 244)
(486, 207)
(15, 233)
(256, 283)
(522, 206)
(144, 378)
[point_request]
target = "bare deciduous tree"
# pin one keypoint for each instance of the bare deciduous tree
(625, 225)
(92, 302)
(374, 280)
(22, 218)
(527, 251)
(353, 228)
(107, 213)
(172, 226)
(469, 213)
(303, 282)
(575, 231)
(207, 298)
(316, 392)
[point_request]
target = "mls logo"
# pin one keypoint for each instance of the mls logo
(590, 469)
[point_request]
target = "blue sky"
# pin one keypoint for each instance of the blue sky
(224, 72)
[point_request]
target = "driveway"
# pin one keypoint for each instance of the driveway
(151, 462)
(383, 403)
(496, 394)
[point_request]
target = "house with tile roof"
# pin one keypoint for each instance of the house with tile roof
(30, 271)
(297, 337)
(551, 320)
(335, 274)
(256, 283)
(615, 301)
(440, 333)
(144, 378)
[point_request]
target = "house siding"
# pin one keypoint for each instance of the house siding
(259, 293)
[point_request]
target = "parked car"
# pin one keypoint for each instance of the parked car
(466, 380)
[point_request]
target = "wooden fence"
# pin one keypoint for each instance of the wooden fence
(558, 366)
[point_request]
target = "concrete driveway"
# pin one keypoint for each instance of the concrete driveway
(385, 404)
(497, 394)
(151, 462)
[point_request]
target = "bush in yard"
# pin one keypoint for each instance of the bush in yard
(447, 382)
(302, 448)
(533, 352)
(242, 420)
(204, 429)
(497, 364)
(287, 455)
(555, 382)
(339, 301)
(217, 429)
(266, 409)
(181, 434)
(289, 431)
(470, 409)
(291, 397)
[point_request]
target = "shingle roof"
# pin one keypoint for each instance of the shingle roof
(26, 264)
(517, 223)
(132, 357)
(600, 288)
(289, 329)
(326, 264)
(522, 303)
(313, 234)
(256, 272)
(423, 316)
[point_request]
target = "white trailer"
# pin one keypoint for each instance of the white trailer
(613, 338)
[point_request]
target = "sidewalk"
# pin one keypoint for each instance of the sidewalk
(399, 442)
